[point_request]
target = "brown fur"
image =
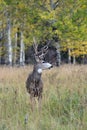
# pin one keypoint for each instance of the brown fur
(34, 85)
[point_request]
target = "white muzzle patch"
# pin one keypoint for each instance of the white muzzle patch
(39, 71)
(46, 65)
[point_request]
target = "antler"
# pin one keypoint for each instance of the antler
(35, 46)
(39, 55)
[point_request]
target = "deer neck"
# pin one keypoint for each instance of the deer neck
(39, 71)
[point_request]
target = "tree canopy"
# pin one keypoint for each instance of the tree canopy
(43, 19)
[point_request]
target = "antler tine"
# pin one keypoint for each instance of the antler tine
(45, 49)
(39, 55)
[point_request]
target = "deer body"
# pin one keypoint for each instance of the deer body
(34, 82)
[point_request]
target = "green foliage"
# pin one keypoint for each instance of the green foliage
(38, 18)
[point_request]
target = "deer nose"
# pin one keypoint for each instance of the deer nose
(51, 66)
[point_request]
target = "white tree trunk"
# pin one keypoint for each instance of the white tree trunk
(74, 60)
(0, 55)
(0, 46)
(58, 60)
(15, 49)
(22, 51)
(69, 56)
(9, 43)
(51, 4)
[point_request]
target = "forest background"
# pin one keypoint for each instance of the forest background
(23, 20)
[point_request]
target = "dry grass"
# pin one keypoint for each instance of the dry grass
(64, 105)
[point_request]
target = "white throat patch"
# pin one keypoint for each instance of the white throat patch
(39, 71)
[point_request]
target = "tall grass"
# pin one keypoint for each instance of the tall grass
(64, 103)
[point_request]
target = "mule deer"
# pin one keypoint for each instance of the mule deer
(34, 83)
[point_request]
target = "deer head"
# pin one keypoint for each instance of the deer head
(39, 57)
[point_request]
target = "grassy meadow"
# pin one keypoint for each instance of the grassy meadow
(64, 103)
